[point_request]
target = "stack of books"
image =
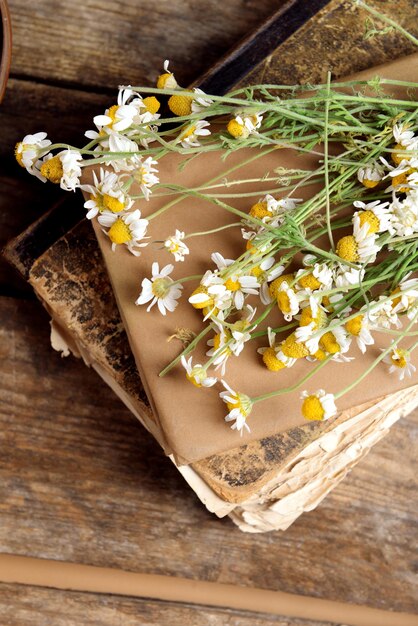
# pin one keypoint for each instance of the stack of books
(265, 484)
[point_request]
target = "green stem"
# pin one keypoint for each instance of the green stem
(387, 20)
(327, 201)
(279, 392)
(186, 351)
(376, 361)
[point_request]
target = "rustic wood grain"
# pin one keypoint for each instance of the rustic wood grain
(335, 40)
(107, 43)
(36, 606)
(29, 107)
(80, 480)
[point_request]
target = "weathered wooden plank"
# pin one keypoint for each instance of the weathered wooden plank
(80, 480)
(29, 107)
(109, 43)
(36, 606)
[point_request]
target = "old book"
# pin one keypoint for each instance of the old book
(263, 485)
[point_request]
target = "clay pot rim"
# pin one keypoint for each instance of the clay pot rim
(6, 55)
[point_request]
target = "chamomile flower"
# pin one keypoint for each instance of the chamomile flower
(267, 271)
(405, 214)
(29, 151)
(166, 80)
(197, 374)
(335, 342)
(105, 195)
(119, 143)
(345, 276)
(176, 245)
(200, 101)
(360, 247)
(294, 347)
(405, 137)
(382, 315)
(239, 405)
(63, 169)
(189, 138)
(121, 116)
(377, 215)
(371, 174)
(201, 298)
(238, 285)
(358, 327)
(160, 290)
(265, 208)
(219, 348)
(273, 357)
(403, 176)
(319, 276)
(318, 406)
(271, 211)
(240, 330)
(127, 228)
(406, 295)
(287, 301)
(241, 126)
(400, 363)
(146, 176)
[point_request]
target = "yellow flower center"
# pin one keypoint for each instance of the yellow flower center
(368, 217)
(160, 286)
(354, 325)
(188, 133)
(347, 249)
(275, 285)
(217, 342)
(399, 358)
(213, 311)
(396, 301)
(326, 302)
(232, 285)
(309, 281)
(52, 169)
(180, 105)
(250, 247)
(112, 204)
(98, 200)
(241, 326)
(401, 179)
(112, 114)
(259, 210)
(283, 302)
(119, 232)
(329, 343)
(294, 349)
(205, 303)
(369, 184)
(307, 318)
(257, 272)
(271, 361)
(397, 157)
(19, 153)
(312, 408)
(152, 104)
(320, 355)
(243, 403)
(193, 380)
(166, 81)
(237, 130)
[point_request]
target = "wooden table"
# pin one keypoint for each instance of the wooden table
(80, 480)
